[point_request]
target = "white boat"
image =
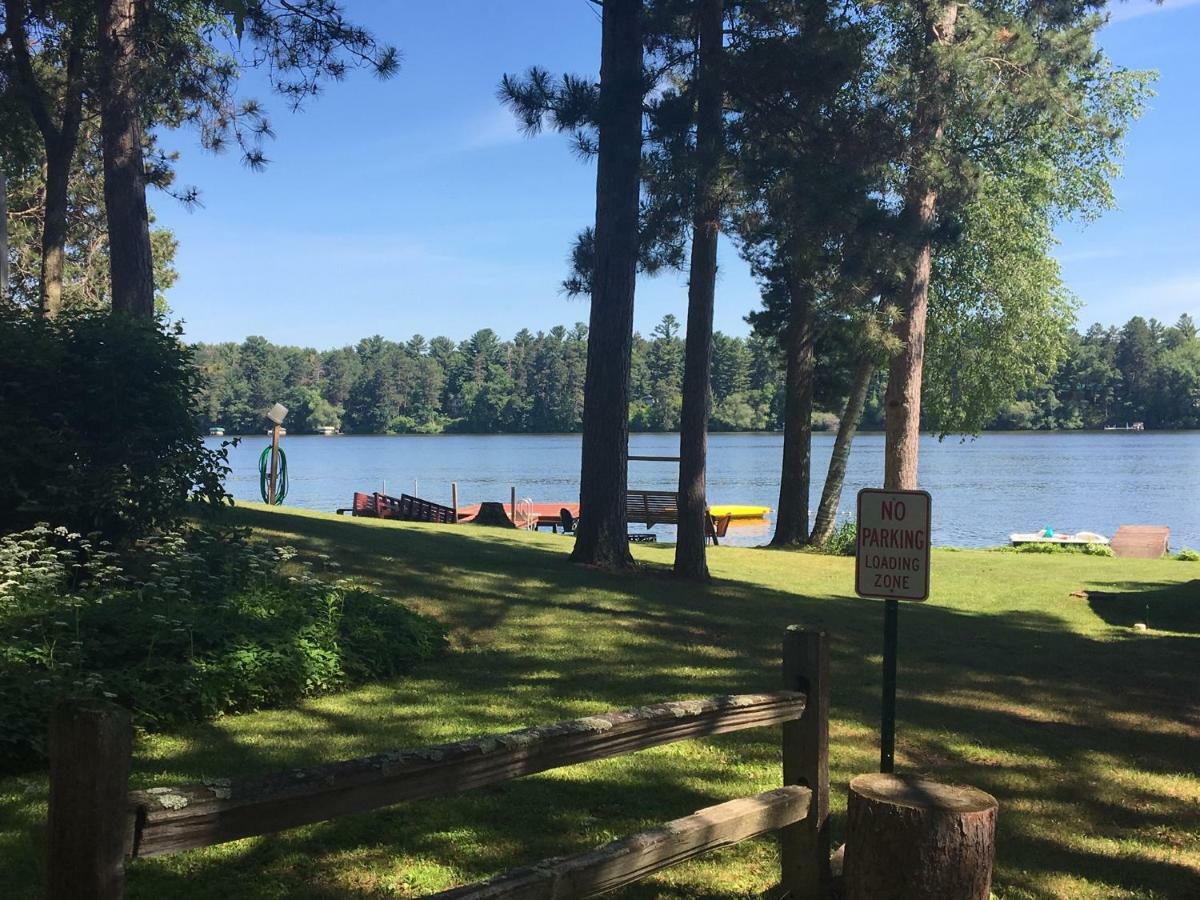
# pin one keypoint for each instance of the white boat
(1054, 537)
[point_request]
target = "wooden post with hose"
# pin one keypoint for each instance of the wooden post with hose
(276, 414)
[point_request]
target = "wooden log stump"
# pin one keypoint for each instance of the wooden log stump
(911, 837)
(493, 514)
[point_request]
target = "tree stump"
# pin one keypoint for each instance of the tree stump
(911, 837)
(493, 514)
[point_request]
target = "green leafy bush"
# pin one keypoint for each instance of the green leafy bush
(1048, 547)
(182, 626)
(98, 425)
(844, 540)
(1187, 554)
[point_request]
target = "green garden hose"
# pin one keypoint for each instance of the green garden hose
(281, 476)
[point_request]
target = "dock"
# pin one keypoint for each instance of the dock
(528, 515)
(1141, 541)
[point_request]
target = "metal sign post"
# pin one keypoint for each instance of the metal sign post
(892, 563)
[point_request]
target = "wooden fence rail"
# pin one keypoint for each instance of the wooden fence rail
(96, 824)
(167, 820)
(631, 859)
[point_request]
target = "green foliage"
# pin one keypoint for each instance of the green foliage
(86, 262)
(999, 314)
(533, 383)
(1051, 547)
(98, 425)
(181, 626)
(1187, 554)
(1016, 358)
(1143, 372)
(844, 540)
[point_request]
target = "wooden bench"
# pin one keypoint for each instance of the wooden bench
(363, 505)
(662, 508)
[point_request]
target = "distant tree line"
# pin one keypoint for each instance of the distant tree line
(1143, 372)
(532, 383)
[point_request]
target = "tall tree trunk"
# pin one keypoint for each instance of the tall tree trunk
(831, 494)
(130, 255)
(690, 559)
(3, 236)
(601, 538)
(791, 519)
(54, 224)
(59, 140)
(903, 399)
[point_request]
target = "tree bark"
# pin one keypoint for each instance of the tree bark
(831, 495)
(54, 225)
(59, 141)
(791, 520)
(131, 259)
(602, 535)
(903, 399)
(691, 539)
(3, 236)
(910, 838)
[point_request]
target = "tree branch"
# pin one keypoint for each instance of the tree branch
(27, 83)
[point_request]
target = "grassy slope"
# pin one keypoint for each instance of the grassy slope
(1085, 731)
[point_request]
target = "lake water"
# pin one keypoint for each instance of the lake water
(982, 489)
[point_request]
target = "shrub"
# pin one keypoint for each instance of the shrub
(97, 425)
(844, 540)
(825, 421)
(182, 626)
(1187, 554)
(1048, 547)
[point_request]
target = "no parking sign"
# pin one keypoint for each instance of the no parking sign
(892, 557)
(892, 563)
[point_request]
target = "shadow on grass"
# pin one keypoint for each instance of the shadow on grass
(1079, 737)
(1166, 607)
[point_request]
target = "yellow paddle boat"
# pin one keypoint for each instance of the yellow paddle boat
(738, 511)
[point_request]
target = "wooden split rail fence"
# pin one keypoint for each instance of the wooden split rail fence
(96, 824)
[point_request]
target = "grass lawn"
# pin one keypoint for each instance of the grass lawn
(1087, 732)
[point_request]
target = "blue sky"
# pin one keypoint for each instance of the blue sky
(416, 206)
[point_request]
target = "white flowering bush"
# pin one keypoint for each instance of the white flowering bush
(183, 625)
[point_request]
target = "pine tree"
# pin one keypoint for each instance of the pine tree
(988, 90)
(606, 120)
(810, 148)
(696, 408)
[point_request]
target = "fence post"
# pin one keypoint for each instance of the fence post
(804, 847)
(91, 744)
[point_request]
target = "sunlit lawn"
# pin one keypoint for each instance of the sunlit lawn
(1087, 732)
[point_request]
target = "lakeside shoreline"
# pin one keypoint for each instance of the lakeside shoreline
(984, 489)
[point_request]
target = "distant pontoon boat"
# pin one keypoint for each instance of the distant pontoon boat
(1136, 426)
